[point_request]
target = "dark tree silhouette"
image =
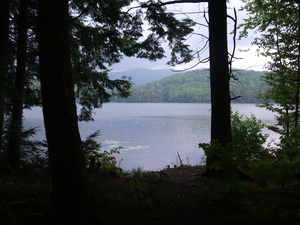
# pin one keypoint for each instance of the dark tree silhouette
(4, 29)
(71, 201)
(219, 74)
(15, 129)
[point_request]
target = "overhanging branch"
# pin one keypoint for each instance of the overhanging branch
(182, 1)
(145, 4)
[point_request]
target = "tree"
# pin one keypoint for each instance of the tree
(4, 31)
(94, 47)
(280, 41)
(15, 128)
(71, 201)
(219, 75)
(113, 34)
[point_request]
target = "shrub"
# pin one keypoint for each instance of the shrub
(98, 159)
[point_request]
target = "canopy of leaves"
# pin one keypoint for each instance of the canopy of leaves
(102, 33)
(106, 31)
(278, 23)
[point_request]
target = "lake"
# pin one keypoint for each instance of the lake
(151, 134)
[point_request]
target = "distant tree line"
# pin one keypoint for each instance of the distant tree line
(193, 87)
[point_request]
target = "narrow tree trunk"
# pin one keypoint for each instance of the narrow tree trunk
(15, 128)
(219, 74)
(298, 73)
(71, 202)
(4, 29)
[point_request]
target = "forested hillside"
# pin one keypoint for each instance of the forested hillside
(140, 76)
(194, 87)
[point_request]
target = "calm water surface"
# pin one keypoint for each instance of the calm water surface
(151, 134)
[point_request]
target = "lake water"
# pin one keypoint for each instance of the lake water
(151, 134)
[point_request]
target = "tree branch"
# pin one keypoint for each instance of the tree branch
(202, 35)
(189, 68)
(145, 5)
(182, 1)
(77, 17)
(233, 98)
(234, 40)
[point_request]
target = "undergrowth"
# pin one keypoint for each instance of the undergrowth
(261, 183)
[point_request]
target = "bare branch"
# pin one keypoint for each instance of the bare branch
(182, 1)
(189, 68)
(234, 57)
(202, 24)
(235, 97)
(206, 18)
(202, 35)
(234, 41)
(167, 3)
(178, 12)
(204, 46)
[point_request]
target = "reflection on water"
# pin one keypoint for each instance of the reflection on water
(152, 134)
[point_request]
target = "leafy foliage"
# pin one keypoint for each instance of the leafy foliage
(101, 34)
(97, 158)
(279, 40)
(268, 170)
(104, 32)
(248, 137)
(90, 146)
(245, 149)
(33, 153)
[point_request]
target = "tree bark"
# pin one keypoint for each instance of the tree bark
(71, 202)
(219, 74)
(15, 128)
(298, 74)
(4, 30)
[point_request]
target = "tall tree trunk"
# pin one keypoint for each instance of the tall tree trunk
(71, 202)
(219, 74)
(4, 29)
(298, 72)
(15, 128)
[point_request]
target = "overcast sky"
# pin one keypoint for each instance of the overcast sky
(249, 59)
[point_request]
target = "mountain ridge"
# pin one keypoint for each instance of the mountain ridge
(193, 87)
(140, 76)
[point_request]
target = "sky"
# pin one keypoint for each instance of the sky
(245, 52)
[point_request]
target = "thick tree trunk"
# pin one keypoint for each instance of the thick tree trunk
(15, 128)
(71, 203)
(219, 74)
(4, 29)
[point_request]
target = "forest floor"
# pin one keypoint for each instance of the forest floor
(176, 196)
